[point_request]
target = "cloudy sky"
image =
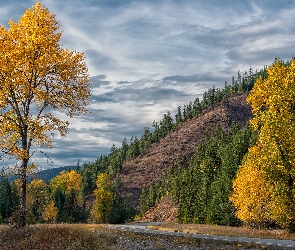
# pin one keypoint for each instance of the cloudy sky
(148, 57)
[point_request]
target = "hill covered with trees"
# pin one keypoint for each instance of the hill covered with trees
(245, 176)
(215, 161)
(143, 163)
(132, 166)
(203, 162)
(179, 146)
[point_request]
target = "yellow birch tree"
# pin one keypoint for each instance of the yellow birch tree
(50, 212)
(69, 185)
(70, 182)
(273, 106)
(38, 80)
(102, 206)
(251, 193)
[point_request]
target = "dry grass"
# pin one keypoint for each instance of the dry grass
(226, 231)
(93, 236)
(63, 236)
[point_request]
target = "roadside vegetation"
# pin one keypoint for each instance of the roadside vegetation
(93, 236)
(219, 230)
(43, 237)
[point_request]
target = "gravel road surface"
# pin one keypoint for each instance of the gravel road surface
(156, 239)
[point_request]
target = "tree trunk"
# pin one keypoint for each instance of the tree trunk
(25, 160)
(23, 200)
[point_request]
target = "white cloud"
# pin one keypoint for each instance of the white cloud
(149, 57)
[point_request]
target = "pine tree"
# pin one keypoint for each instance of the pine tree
(5, 198)
(59, 200)
(178, 116)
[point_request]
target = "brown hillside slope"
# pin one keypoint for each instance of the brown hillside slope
(151, 166)
(164, 211)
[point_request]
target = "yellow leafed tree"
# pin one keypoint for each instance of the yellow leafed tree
(38, 80)
(36, 197)
(273, 165)
(251, 193)
(69, 183)
(50, 212)
(101, 208)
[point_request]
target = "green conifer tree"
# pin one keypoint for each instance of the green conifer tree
(5, 198)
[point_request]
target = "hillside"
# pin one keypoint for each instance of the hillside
(151, 166)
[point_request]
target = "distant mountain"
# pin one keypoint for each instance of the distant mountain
(48, 174)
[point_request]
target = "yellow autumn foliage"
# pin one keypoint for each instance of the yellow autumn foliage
(70, 182)
(38, 80)
(50, 212)
(36, 74)
(101, 208)
(36, 191)
(273, 106)
(251, 193)
(264, 189)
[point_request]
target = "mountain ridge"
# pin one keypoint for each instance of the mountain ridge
(151, 166)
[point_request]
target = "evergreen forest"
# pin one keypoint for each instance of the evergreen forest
(241, 177)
